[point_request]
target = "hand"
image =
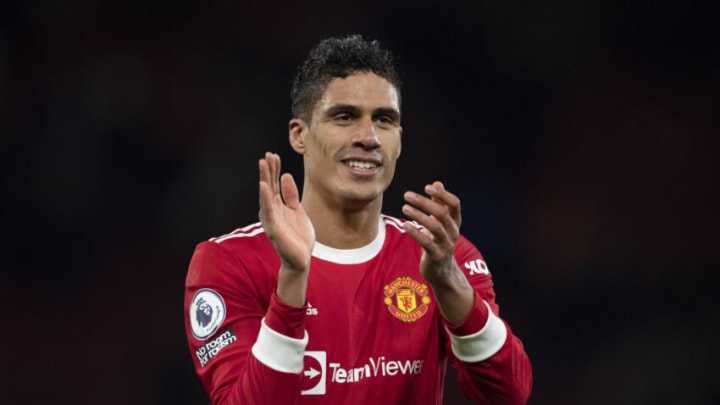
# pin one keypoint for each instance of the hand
(439, 215)
(286, 224)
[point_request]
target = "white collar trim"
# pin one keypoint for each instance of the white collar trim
(352, 256)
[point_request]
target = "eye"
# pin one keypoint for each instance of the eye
(342, 117)
(385, 119)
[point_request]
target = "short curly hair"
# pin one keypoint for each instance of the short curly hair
(338, 57)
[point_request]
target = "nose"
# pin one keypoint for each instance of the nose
(366, 136)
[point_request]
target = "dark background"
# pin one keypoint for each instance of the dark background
(581, 136)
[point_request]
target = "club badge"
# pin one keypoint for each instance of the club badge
(407, 299)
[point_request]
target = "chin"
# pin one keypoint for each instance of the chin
(363, 195)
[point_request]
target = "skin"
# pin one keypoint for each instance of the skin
(356, 120)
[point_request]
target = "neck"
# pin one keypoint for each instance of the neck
(342, 227)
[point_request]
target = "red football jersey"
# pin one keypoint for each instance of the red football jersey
(370, 333)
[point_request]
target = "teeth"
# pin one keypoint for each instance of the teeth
(361, 165)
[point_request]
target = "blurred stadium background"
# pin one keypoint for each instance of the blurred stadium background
(582, 138)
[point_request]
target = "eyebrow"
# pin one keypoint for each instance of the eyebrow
(355, 110)
(389, 111)
(346, 108)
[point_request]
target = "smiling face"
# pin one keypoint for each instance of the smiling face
(353, 142)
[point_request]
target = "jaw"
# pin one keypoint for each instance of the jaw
(349, 179)
(348, 190)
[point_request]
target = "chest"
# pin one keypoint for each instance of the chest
(366, 311)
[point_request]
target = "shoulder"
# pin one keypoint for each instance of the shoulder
(246, 247)
(243, 241)
(244, 234)
(465, 250)
(394, 231)
(395, 225)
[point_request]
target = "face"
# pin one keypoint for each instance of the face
(353, 142)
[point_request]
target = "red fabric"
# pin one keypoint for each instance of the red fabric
(375, 332)
(285, 319)
(475, 321)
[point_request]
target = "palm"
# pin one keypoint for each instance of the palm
(285, 222)
(439, 216)
(438, 259)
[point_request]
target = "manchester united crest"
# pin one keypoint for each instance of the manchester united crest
(407, 299)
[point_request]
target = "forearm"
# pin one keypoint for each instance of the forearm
(454, 294)
(505, 378)
(272, 365)
(262, 386)
(492, 365)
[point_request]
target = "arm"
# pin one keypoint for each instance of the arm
(288, 228)
(493, 366)
(229, 343)
(257, 350)
(439, 216)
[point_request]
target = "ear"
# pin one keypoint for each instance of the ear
(400, 143)
(297, 133)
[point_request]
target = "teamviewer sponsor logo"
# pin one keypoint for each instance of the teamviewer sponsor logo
(210, 349)
(317, 367)
(315, 372)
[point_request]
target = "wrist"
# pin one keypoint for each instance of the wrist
(447, 277)
(292, 286)
(454, 295)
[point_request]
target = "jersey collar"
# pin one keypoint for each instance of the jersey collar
(352, 256)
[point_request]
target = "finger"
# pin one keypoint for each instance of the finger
(436, 209)
(431, 207)
(266, 193)
(290, 191)
(265, 213)
(274, 166)
(426, 241)
(438, 193)
(264, 182)
(263, 170)
(437, 229)
(435, 217)
(267, 169)
(265, 202)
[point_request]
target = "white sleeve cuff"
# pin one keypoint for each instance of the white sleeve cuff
(279, 352)
(483, 344)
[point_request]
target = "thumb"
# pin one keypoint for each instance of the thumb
(289, 191)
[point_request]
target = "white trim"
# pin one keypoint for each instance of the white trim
(279, 352)
(245, 232)
(483, 344)
(399, 223)
(394, 222)
(352, 256)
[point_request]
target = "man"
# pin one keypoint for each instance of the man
(326, 300)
